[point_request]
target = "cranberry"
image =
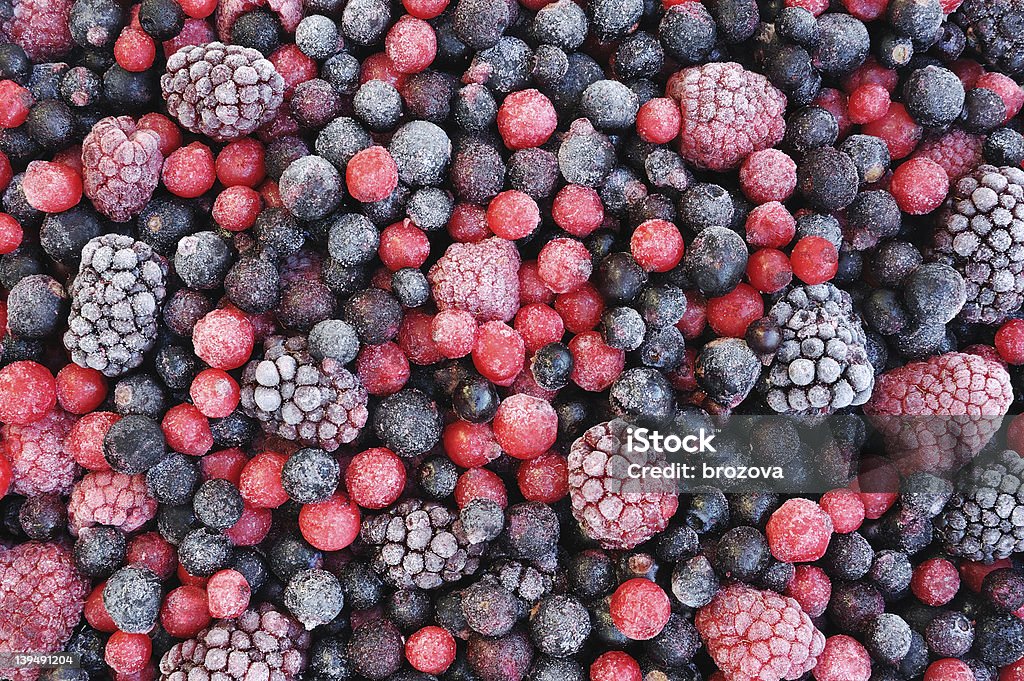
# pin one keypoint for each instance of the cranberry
(241, 163)
(770, 225)
(80, 390)
(564, 265)
(227, 594)
(51, 187)
(454, 332)
(85, 440)
(843, 659)
(96, 613)
(168, 134)
(919, 186)
(15, 104)
(468, 223)
(330, 525)
(382, 369)
(615, 665)
(525, 426)
(640, 609)
(1007, 89)
(811, 588)
(10, 234)
(6, 476)
(425, 9)
(768, 175)
(950, 669)
(134, 50)
(544, 478)
(695, 317)
(187, 430)
(531, 288)
(868, 103)
(845, 508)
(29, 393)
(375, 478)
(294, 67)
(252, 527)
(198, 9)
(184, 612)
(581, 309)
(577, 209)
(798, 531)
(414, 338)
(224, 464)
(897, 129)
(480, 483)
(151, 550)
(658, 121)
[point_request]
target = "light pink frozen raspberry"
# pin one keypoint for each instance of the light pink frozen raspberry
(39, 460)
(120, 167)
(480, 278)
(111, 498)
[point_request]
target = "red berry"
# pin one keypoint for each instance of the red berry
(224, 464)
(375, 478)
(1007, 89)
(480, 483)
(96, 613)
(950, 669)
(330, 525)
(215, 393)
(658, 121)
(454, 332)
(371, 175)
(187, 430)
(6, 172)
(430, 650)
(531, 288)
(499, 353)
(1010, 341)
(564, 265)
(935, 581)
(657, 245)
(770, 225)
(468, 223)
(871, 72)
(615, 665)
(223, 339)
(184, 612)
(85, 440)
(811, 588)
(190, 171)
(237, 208)
(379, 67)
(866, 10)
(151, 550)
(411, 44)
(798, 531)
(134, 50)
(198, 9)
(640, 609)
(470, 445)
(581, 309)
(252, 527)
(29, 393)
(843, 659)
(1015, 671)
(15, 103)
(525, 426)
(80, 390)
(897, 129)
(294, 66)
(425, 9)
(127, 653)
(577, 209)
(815, 260)
(402, 245)
(512, 214)
(167, 132)
(768, 175)
(6, 476)
(845, 508)
(241, 162)
(731, 314)
(227, 594)
(695, 317)
(835, 102)
(919, 186)
(260, 482)
(526, 119)
(414, 338)
(769, 271)
(382, 369)
(544, 478)
(51, 187)
(539, 325)
(868, 103)
(595, 364)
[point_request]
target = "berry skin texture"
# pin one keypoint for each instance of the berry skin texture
(430, 650)
(577, 209)
(52, 187)
(30, 392)
(371, 175)
(39, 459)
(525, 426)
(769, 270)
(615, 665)
(656, 245)
(640, 609)
(658, 121)
(11, 232)
(80, 390)
(512, 214)
(330, 525)
(480, 278)
(919, 186)
(935, 581)
(227, 594)
(564, 265)
(410, 45)
(596, 365)
(770, 225)
(741, 630)
(815, 260)
(15, 103)
(41, 600)
(868, 103)
(798, 531)
(731, 314)
(499, 353)
(544, 479)
(715, 134)
(237, 208)
(811, 588)
(950, 669)
(768, 175)
(224, 339)
(1010, 341)
(897, 129)
(190, 172)
(375, 478)
(843, 659)
(526, 119)
(958, 152)
(184, 612)
(845, 508)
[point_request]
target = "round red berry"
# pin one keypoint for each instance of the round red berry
(526, 119)
(430, 650)
(539, 325)
(950, 669)
(770, 225)
(897, 129)
(596, 365)
(657, 245)
(29, 392)
(425, 9)
(935, 581)
(127, 653)
(811, 588)
(411, 44)
(260, 482)
(184, 612)
(6, 475)
(236, 208)
(769, 271)
(11, 233)
(51, 187)
(453, 332)
(814, 259)
(85, 440)
(151, 550)
(1007, 89)
(198, 9)
(294, 66)
(167, 132)
(190, 171)
(241, 162)
(187, 430)
(375, 478)
(330, 525)
(640, 609)
(919, 186)
(525, 426)
(695, 317)
(615, 665)
(531, 288)
(80, 390)
(768, 175)
(544, 478)
(6, 172)
(15, 104)
(402, 245)
(134, 50)
(868, 103)
(577, 209)
(581, 309)
(658, 121)
(227, 594)
(371, 175)
(1010, 341)
(731, 314)
(470, 445)
(223, 339)
(480, 483)
(798, 531)
(382, 369)
(499, 353)
(224, 464)
(215, 393)
(512, 214)
(564, 265)
(846, 509)
(843, 659)
(468, 223)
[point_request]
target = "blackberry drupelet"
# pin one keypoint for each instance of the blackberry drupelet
(993, 30)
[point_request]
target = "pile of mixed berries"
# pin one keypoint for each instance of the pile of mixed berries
(325, 322)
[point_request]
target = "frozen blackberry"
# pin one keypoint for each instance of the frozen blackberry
(642, 392)
(217, 504)
(992, 31)
(716, 261)
(301, 399)
(421, 151)
(310, 188)
(140, 394)
(976, 233)
(202, 260)
(114, 303)
(132, 599)
(609, 105)
(310, 475)
(98, 550)
(984, 519)
(314, 597)
(375, 315)
(172, 480)
(408, 422)
(420, 543)
(1004, 147)
(134, 444)
(248, 95)
(35, 306)
(821, 364)
(559, 626)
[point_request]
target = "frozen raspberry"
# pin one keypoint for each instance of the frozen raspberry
(799, 531)
(111, 498)
(41, 599)
(480, 278)
(728, 113)
(39, 459)
(41, 27)
(613, 508)
(752, 634)
(121, 167)
(958, 152)
(966, 393)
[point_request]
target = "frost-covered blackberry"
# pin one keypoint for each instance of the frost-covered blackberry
(115, 304)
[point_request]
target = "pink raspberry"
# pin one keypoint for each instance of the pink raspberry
(39, 458)
(843, 659)
(613, 508)
(111, 498)
(958, 152)
(761, 635)
(799, 531)
(41, 27)
(728, 113)
(120, 167)
(41, 599)
(967, 393)
(480, 278)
